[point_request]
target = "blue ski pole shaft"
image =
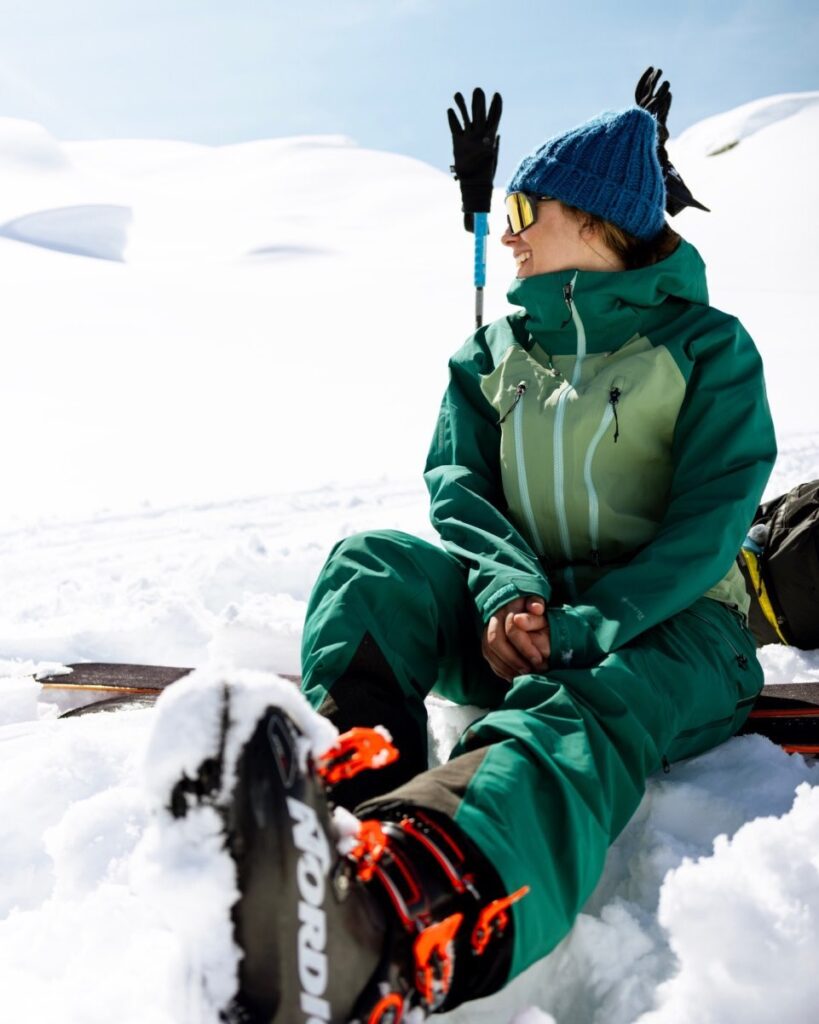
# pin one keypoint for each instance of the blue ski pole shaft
(481, 223)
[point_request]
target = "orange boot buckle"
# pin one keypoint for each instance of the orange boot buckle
(372, 842)
(492, 917)
(388, 1010)
(355, 750)
(433, 960)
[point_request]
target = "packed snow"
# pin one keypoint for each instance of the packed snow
(217, 362)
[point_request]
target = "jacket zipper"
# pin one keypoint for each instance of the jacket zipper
(559, 478)
(520, 391)
(594, 504)
(523, 485)
(609, 414)
(614, 398)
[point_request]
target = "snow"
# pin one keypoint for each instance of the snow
(179, 325)
(774, 906)
(100, 231)
(184, 871)
(714, 135)
(759, 244)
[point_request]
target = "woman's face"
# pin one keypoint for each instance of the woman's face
(557, 241)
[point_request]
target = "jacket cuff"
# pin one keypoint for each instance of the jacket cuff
(507, 590)
(573, 638)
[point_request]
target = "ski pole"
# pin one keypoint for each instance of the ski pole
(475, 143)
(481, 222)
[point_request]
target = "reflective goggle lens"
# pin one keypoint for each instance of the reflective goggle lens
(521, 211)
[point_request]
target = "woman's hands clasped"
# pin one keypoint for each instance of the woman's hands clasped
(516, 639)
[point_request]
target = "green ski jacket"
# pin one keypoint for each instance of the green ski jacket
(606, 448)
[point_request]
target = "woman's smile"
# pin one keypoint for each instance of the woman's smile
(521, 258)
(557, 240)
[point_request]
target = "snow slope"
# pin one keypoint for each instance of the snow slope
(206, 351)
(196, 408)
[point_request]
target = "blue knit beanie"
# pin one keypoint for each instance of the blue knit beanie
(607, 166)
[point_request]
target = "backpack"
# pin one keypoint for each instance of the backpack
(780, 562)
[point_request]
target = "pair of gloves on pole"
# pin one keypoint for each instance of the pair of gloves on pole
(475, 143)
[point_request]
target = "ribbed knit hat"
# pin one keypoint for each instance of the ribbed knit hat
(607, 166)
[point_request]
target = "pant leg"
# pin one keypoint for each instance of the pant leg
(546, 782)
(390, 619)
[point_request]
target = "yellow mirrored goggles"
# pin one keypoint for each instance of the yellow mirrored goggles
(521, 210)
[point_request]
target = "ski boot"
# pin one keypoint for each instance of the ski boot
(341, 919)
(436, 892)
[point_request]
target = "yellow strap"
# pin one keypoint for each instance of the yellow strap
(752, 562)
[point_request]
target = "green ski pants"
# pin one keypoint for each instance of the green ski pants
(545, 781)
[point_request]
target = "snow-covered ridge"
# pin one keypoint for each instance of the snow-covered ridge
(26, 145)
(99, 230)
(717, 134)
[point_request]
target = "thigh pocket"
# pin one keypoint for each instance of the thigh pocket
(729, 651)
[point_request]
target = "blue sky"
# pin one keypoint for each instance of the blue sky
(384, 71)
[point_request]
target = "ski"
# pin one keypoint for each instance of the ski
(788, 714)
(128, 700)
(113, 676)
(88, 687)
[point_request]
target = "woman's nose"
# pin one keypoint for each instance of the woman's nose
(507, 238)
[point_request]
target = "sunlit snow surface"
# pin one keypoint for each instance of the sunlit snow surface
(216, 363)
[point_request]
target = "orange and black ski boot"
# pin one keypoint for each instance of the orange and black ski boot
(449, 934)
(341, 919)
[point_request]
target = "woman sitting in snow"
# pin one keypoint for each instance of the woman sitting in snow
(598, 458)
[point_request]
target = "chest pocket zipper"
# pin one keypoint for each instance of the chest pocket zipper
(614, 398)
(520, 391)
(516, 411)
(609, 414)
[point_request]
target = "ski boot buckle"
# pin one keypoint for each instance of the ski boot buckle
(433, 960)
(355, 750)
(493, 919)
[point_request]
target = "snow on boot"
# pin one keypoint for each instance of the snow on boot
(185, 873)
(240, 760)
(337, 919)
(310, 945)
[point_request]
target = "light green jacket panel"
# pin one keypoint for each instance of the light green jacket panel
(722, 455)
(467, 504)
(585, 452)
(700, 440)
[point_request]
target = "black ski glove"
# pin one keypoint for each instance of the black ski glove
(655, 103)
(658, 103)
(475, 149)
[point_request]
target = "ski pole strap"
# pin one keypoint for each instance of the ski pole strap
(481, 230)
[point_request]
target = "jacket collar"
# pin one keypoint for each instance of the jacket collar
(613, 306)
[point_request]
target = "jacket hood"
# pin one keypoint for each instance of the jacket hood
(612, 305)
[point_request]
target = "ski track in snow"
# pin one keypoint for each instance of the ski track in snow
(708, 909)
